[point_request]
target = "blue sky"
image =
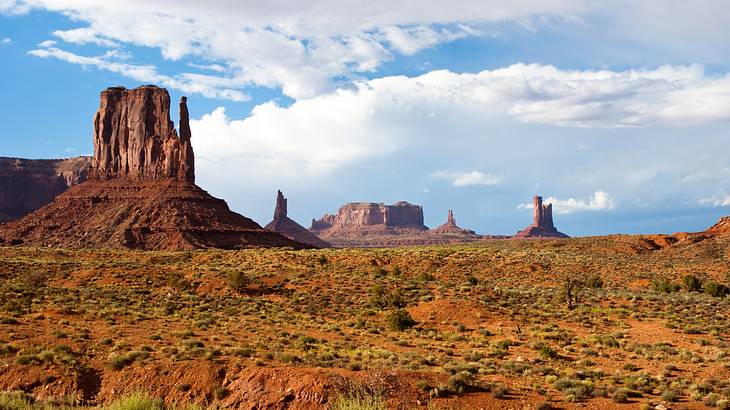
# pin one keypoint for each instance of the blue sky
(618, 111)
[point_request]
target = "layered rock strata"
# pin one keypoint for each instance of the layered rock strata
(29, 184)
(140, 192)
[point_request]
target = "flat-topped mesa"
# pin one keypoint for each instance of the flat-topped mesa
(361, 217)
(134, 137)
(542, 222)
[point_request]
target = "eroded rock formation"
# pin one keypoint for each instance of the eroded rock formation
(28, 184)
(135, 139)
(450, 228)
(370, 219)
(289, 228)
(542, 225)
(140, 192)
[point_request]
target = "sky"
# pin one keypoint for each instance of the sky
(615, 111)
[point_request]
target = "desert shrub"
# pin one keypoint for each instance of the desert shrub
(358, 402)
(621, 395)
(237, 280)
(135, 401)
(546, 352)
(322, 260)
(594, 281)
(472, 281)
(663, 285)
(715, 289)
(123, 360)
(692, 283)
(460, 381)
(17, 401)
(380, 297)
(670, 396)
(400, 320)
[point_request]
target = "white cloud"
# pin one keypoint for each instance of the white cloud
(209, 86)
(302, 50)
(83, 36)
(312, 138)
(600, 201)
(464, 179)
(717, 200)
(6, 40)
(47, 43)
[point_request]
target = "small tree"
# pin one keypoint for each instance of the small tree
(570, 292)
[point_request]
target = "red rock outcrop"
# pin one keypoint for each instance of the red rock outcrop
(542, 225)
(289, 228)
(367, 219)
(450, 228)
(140, 192)
(28, 184)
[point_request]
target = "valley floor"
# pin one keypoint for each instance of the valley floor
(483, 325)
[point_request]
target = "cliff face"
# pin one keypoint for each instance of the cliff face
(290, 228)
(134, 137)
(368, 219)
(140, 192)
(542, 225)
(29, 184)
(451, 229)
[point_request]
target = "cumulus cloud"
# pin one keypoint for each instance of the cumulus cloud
(6, 40)
(465, 179)
(314, 137)
(600, 201)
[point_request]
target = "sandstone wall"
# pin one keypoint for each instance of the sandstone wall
(29, 184)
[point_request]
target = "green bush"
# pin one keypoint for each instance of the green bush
(717, 290)
(400, 320)
(663, 285)
(459, 382)
(692, 283)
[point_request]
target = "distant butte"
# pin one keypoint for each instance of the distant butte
(542, 225)
(289, 228)
(140, 192)
(28, 184)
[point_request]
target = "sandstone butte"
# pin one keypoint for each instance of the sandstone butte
(367, 224)
(363, 219)
(289, 228)
(542, 225)
(140, 192)
(28, 184)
